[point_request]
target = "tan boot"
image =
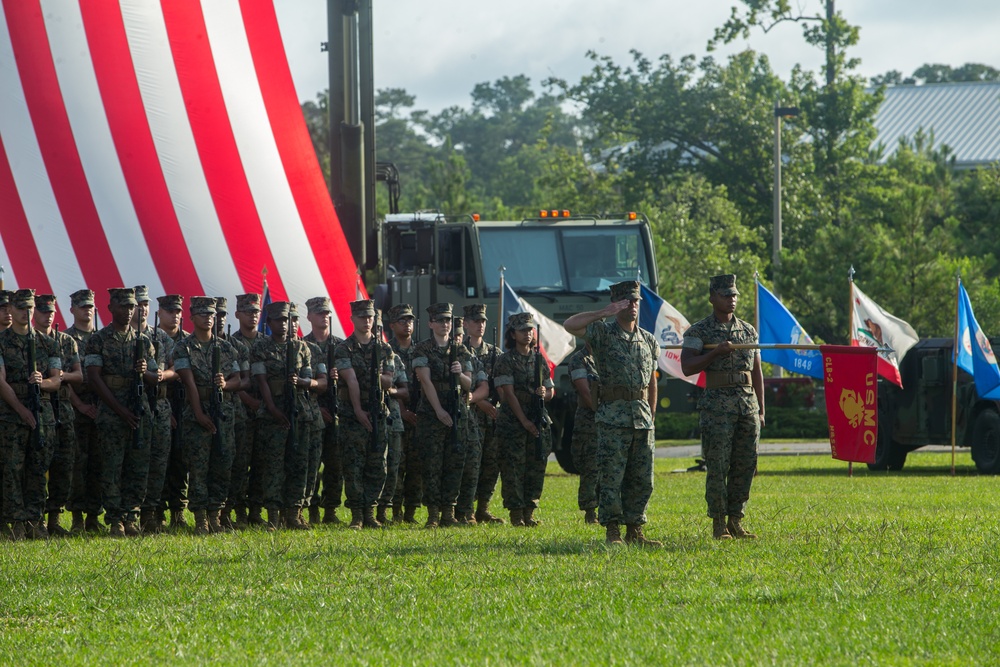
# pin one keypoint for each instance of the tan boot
(161, 520)
(517, 518)
(397, 512)
(369, 520)
(78, 523)
(467, 519)
(590, 516)
(293, 519)
(131, 529)
(719, 530)
(117, 528)
(613, 534)
(432, 517)
(737, 530)
(357, 519)
(529, 520)
(225, 520)
(215, 524)
(273, 520)
(448, 517)
(409, 515)
(634, 536)
(483, 514)
(36, 530)
(17, 531)
(200, 523)
(302, 519)
(177, 520)
(55, 530)
(314, 514)
(380, 515)
(331, 516)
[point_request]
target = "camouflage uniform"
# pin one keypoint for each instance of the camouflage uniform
(64, 447)
(282, 461)
(489, 464)
(328, 487)
(236, 494)
(24, 465)
(473, 442)
(85, 489)
(729, 421)
(313, 425)
(124, 467)
(247, 488)
(394, 452)
(209, 465)
(409, 483)
(160, 435)
(174, 494)
(363, 463)
(443, 463)
(584, 447)
(521, 467)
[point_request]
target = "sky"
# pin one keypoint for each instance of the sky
(439, 49)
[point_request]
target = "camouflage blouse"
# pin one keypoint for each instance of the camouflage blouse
(428, 354)
(14, 359)
(583, 367)
(352, 354)
(519, 371)
(623, 359)
(731, 400)
(268, 357)
(81, 337)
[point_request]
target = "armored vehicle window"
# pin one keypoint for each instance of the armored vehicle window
(531, 256)
(597, 258)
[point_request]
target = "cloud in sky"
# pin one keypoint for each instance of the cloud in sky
(439, 49)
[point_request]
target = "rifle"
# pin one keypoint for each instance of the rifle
(375, 398)
(332, 398)
(34, 392)
(291, 405)
(415, 383)
(138, 389)
(155, 388)
(215, 406)
(494, 395)
(54, 396)
(454, 394)
(538, 416)
(177, 406)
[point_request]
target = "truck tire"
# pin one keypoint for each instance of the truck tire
(889, 454)
(562, 440)
(986, 442)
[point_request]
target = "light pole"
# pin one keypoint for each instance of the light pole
(779, 113)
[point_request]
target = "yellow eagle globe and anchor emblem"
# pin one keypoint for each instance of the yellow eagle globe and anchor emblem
(852, 406)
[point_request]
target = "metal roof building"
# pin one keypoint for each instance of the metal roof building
(963, 116)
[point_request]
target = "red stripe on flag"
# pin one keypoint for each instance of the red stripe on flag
(15, 231)
(220, 157)
(113, 65)
(58, 147)
(298, 157)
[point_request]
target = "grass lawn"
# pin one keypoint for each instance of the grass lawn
(882, 568)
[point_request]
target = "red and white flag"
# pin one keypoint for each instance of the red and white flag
(160, 143)
(871, 326)
(555, 343)
(851, 384)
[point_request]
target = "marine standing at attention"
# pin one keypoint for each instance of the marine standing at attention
(732, 407)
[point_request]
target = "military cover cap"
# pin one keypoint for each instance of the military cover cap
(221, 305)
(170, 301)
(521, 321)
(45, 303)
(123, 296)
(141, 293)
(319, 304)
(724, 284)
(400, 311)
(82, 297)
(247, 303)
(202, 305)
(23, 298)
(293, 310)
(439, 311)
(627, 289)
(475, 311)
(363, 308)
(277, 309)
(5, 297)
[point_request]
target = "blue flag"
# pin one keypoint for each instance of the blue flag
(778, 326)
(975, 356)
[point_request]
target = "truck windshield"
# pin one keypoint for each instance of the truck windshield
(564, 259)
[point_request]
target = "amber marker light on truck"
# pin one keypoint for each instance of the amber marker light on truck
(631, 215)
(554, 213)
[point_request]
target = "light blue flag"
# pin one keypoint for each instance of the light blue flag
(975, 355)
(778, 326)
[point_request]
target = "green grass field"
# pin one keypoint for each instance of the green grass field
(882, 568)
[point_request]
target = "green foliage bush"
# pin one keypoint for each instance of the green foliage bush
(807, 424)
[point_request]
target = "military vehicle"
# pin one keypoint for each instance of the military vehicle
(920, 413)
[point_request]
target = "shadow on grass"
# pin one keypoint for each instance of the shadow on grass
(861, 471)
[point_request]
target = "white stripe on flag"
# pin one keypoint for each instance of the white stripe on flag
(98, 155)
(259, 155)
(32, 179)
(175, 146)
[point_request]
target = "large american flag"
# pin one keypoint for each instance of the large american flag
(160, 143)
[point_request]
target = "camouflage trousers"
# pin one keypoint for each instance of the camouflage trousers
(237, 495)
(364, 465)
(282, 465)
(159, 455)
(625, 461)
(411, 471)
(255, 482)
(393, 454)
(174, 495)
(24, 466)
(442, 464)
(313, 440)
(124, 467)
(332, 479)
(584, 450)
(63, 457)
(522, 471)
(470, 473)
(85, 490)
(489, 465)
(730, 445)
(209, 466)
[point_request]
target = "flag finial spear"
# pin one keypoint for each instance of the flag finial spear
(756, 276)
(850, 273)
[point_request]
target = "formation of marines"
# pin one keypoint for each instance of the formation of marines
(262, 427)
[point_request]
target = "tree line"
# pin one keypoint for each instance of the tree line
(689, 142)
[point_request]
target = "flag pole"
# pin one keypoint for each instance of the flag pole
(850, 335)
(954, 370)
(756, 301)
(503, 325)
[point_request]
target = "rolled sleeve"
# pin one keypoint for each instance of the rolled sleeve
(258, 368)
(693, 343)
(501, 380)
